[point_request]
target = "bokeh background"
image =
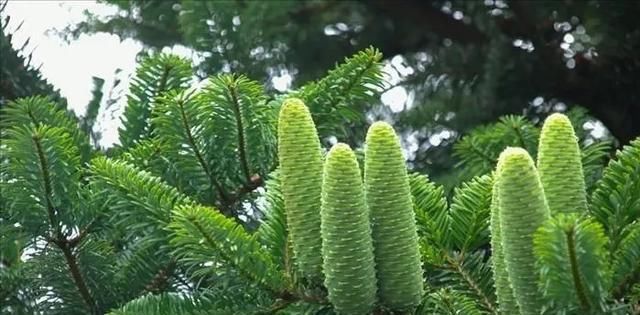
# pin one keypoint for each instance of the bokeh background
(450, 66)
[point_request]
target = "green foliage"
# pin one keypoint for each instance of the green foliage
(393, 227)
(468, 272)
(468, 275)
(198, 232)
(522, 209)
(615, 203)
(448, 302)
(625, 267)
(431, 210)
(50, 206)
(572, 260)
(301, 171)
(273, 230)
(44, 164)
(137, 198)
(182, 122)
(39, 110)
(139, 209)
(594, 160)
(169, 304)
(479, 150)
(338, 100)
(167, 222)
(470, 211)
(154, 76)
(347, 250)
(244, 125)
(560, 166)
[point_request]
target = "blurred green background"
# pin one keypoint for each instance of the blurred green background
(451, 66)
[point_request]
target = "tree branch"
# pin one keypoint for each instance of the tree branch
(196, 151)
(159, 281)
(575, 272)
(59, 239)
(458, 267)
(73, 242)
(244, 163)
(229, 259)
(77, 277)
(48, 191)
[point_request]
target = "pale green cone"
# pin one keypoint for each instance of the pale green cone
(301, 175)
(388, 195)
(506, 301)
(560, 166)
(347, 249)
(522, 210)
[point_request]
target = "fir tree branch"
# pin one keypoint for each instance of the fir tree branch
(235, 105)
(621, 289)
(60, 240)
(483, 155)
(33, 118)
(520, 138)
(230, 260)
(159, 281)
(164, 77)
(456, 266)
(46, 177)
(278, 305)
(196, 150)
(575, 272)
(77, 277)
(354, 80)
(255, 181)
(82, 234)
(162, 85)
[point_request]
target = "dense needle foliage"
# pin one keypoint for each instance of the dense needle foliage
(201, 208)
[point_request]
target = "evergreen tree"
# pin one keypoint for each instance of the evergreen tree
(462, 63)
(193, 218)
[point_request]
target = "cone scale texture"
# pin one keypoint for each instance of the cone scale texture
(300, 160)
(395, 239)
(346, 235)
(560, 166)
(506, 301)
(522, 210)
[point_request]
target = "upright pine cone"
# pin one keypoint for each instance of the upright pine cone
(301, 175)
(395, 239)
(506, 301)
(560, 166)
(346, 235)
(522, 210)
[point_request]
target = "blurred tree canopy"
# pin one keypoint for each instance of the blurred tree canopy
(460, 63)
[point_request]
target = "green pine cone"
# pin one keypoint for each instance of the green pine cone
(347, 248)
(560, 166)
(522, 210)
(506, 301)
(301, 175)
(395, 240)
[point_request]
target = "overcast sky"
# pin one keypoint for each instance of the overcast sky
(69, 67)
